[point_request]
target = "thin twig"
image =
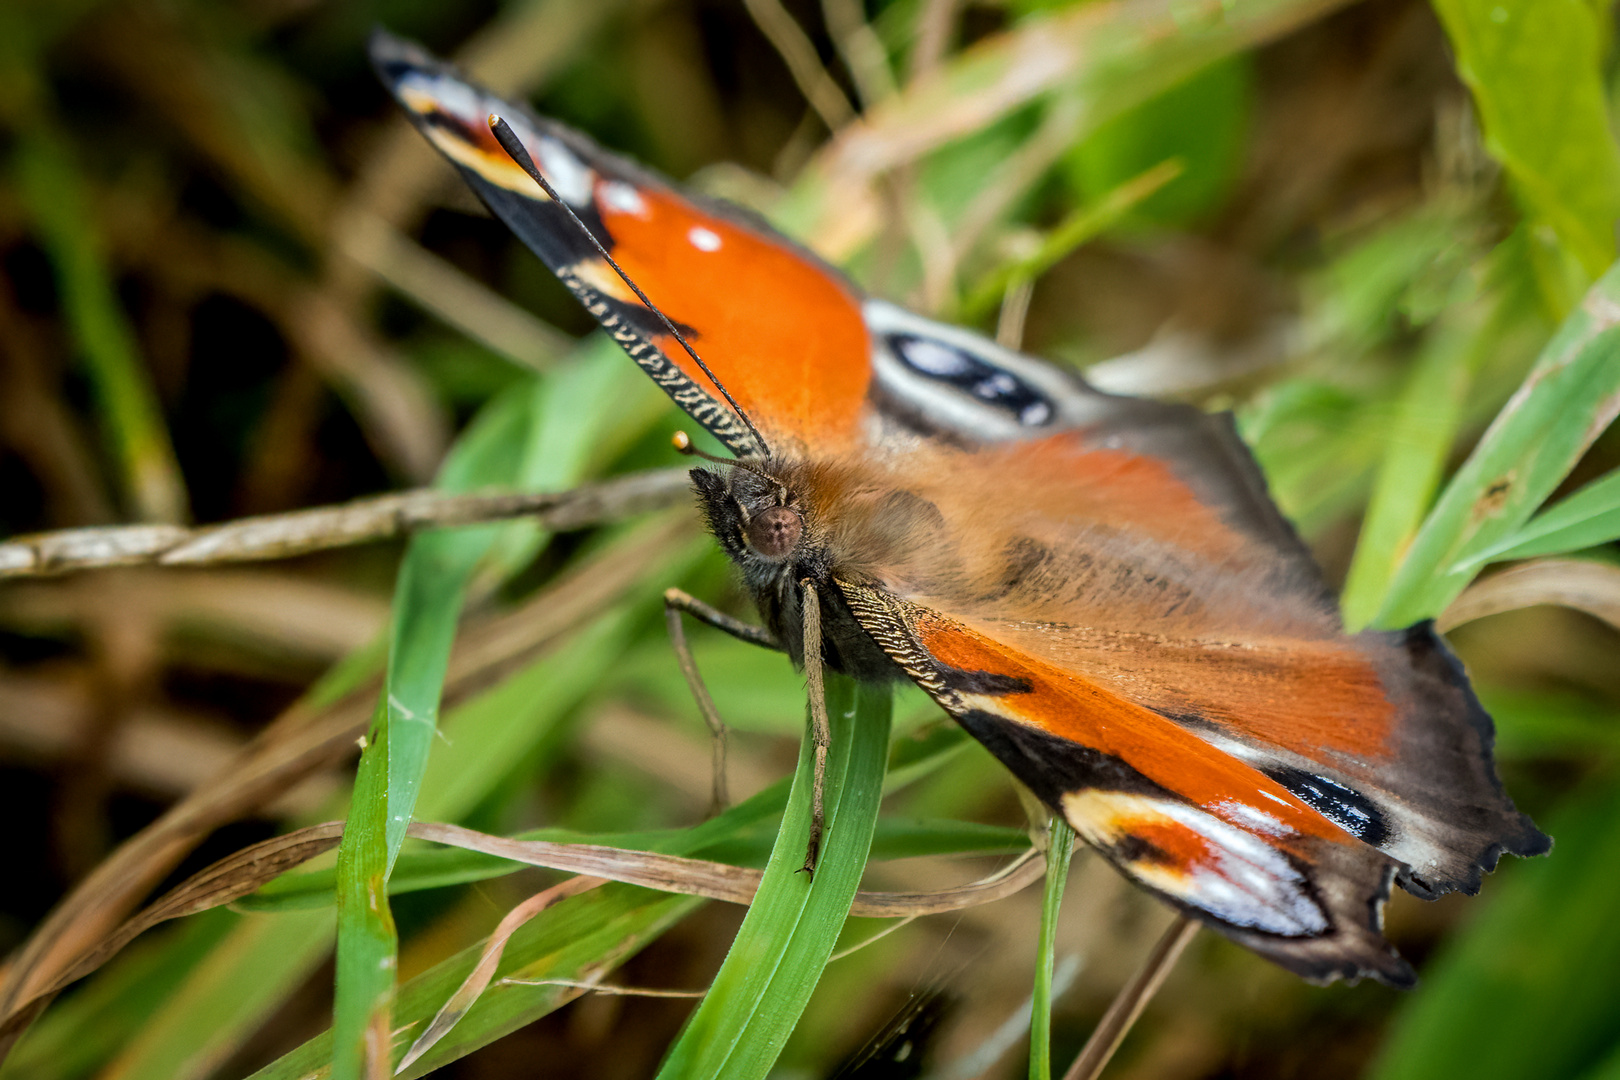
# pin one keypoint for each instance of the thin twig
(863, 52)
(1131, 1000)
(282, 536)
(1014, 312)
(934, 27)
(799, 53)
(605, 988)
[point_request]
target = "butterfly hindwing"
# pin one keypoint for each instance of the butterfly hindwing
(1131, 543)
(779, 328)
(1200, 828)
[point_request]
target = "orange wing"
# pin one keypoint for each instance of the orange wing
(780, 329)
(1205, 830)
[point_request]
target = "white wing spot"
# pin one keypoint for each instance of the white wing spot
(704, 239)
(1038, 413)
(998, 385)
(932, 358)
(620, 196)
(456, 98)
(569, 175)
(1251, 817)
(1239, 878)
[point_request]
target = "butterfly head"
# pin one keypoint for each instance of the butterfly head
(755, 515)
(751, 509)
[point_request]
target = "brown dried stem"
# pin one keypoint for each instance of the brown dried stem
(282, 536)
(250, 868)
(1131, 1000)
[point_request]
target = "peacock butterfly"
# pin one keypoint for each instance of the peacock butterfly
(1097, 587)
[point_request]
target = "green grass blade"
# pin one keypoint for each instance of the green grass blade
(566, 415)
(1427, 418)
(1569, 398)
(1060, 850)
(229, 994)
(80, 1034)
(367, 943)
(1085, 223)
(1609, 1069)
(1585, 519)
(427, 604)
(789, 933)
(1111, 57)
(125, 399)
(578, 938)
(1522, 994)
(587, 934)
(1536, 71)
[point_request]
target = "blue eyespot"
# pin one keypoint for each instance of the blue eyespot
(973, 375)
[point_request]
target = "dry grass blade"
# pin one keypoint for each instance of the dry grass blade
(935, 25)
(250, 868)
(1591, 587)
(1016, 876)
(439, 287)
(1131, 1000)
(799, 54)
(229, 879)
(862, 50)
(224, 881)
(666, 873)
(300, 742)
(1007, 71)
(38, 425)
(401, 419)
(720, 881)
(282, 536)
(606, 988)
(479, 978)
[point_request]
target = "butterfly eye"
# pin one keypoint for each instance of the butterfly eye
(775, 532)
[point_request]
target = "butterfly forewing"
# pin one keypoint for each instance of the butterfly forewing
(751, 303)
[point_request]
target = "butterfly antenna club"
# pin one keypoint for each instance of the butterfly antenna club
(683, 444)
(519, 153)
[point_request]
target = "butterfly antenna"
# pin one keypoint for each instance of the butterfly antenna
(683, 443)
(519, 153)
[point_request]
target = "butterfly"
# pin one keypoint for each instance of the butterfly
(1098, 588)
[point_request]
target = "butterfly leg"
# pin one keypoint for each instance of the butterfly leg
(676, 602)
(820, 729)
